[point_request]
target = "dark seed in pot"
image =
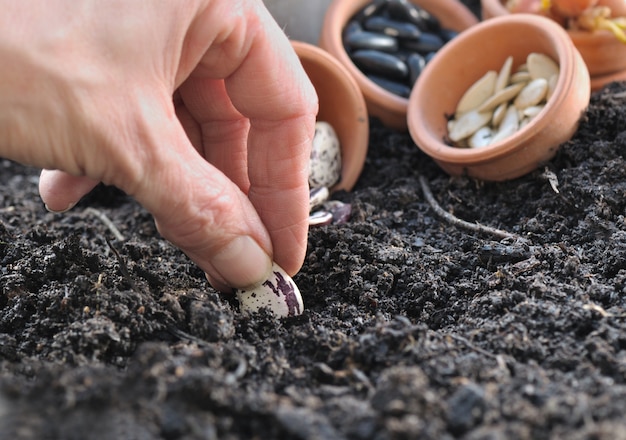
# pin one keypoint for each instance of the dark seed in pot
(394, 87)
(448, 34)
(404, 10)
(374, 8)
(353, 27)
(393, 28)
(371, 40)
(416, 64)
(427, 42)
(380, 63)
(413, 31)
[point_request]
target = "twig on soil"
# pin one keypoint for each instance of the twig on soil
(474, 227)
(471, 346)
(107, 222)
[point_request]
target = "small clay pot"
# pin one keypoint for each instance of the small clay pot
(463, 61)
(341, 104)
(389, 108)
(603, 53)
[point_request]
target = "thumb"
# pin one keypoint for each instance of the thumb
(61, 191)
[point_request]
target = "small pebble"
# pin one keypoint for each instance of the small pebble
(279, 294)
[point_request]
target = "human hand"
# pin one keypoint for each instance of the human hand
(87, 89)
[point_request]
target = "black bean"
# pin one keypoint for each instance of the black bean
(371, 40)
(447, 34)
(391, 41)
(404, 10)
(380, 63)
(416, 63)
(374, 8)
(392, 28)
(353, 27)
(427, 42)
(394, 87)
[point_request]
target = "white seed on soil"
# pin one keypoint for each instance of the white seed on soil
(325, 161)
(532, 94)
(541, 66)
(515, 99)
(477, 93)
(279, 294)
(468, 124)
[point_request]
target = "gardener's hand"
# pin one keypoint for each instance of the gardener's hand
(198, 109)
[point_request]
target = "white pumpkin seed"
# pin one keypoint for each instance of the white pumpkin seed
(498, 98)
(498, 114)
(468, 123)
(532, 94)
(509, 125)
(477, 93)
(482, 119)
(541, 66)
(504, 75)
(532, 111)
(520, 77)
(481, 138)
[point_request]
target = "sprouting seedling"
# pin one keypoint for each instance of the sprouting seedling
(279, 294)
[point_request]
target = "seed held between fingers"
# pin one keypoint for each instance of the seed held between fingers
(279, 294)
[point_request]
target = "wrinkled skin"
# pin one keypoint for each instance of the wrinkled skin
(198, 109)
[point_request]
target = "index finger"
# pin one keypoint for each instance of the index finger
(267, 84)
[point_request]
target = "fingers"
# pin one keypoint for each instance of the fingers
(198, 208)
(268, 86)
(223, 131)
(61, 191)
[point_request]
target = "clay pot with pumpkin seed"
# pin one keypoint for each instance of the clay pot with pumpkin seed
(464, 61)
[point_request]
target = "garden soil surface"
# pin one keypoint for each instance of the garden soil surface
(415, 326)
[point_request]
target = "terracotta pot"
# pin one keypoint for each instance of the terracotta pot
(604, 54)
(462, 62)
(341, 105)
(389, 108)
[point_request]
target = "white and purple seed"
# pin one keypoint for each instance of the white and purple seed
(279, 294)
(325, 161)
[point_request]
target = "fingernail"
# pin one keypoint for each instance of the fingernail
(242, 263)
(70, 206)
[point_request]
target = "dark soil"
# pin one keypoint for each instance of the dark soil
(414, 327)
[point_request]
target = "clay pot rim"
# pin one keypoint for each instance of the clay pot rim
(352, 163)
(438, 150)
